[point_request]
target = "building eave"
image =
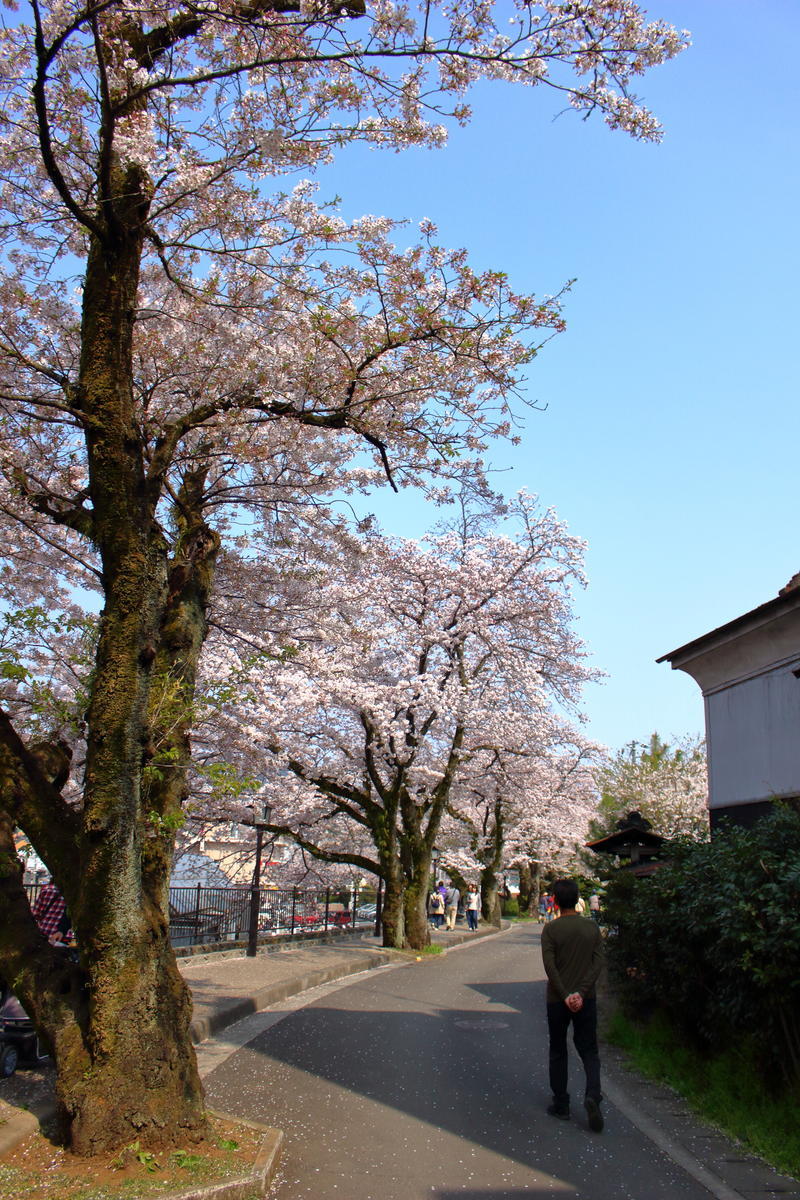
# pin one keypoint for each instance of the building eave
(757, 616)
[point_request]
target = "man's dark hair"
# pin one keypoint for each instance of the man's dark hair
(566, 893)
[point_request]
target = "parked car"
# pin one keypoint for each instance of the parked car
(309, 916)
(339, 916)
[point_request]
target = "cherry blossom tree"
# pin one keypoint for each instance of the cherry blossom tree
(181, 349)
(199, 451)
(548, 838)
(523, 805)
(421, 669)
(666, 783)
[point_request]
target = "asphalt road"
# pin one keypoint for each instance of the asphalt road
(430, 1081)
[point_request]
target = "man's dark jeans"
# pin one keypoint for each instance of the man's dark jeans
(584, 1033)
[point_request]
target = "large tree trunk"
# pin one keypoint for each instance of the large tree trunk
(415, 856)
(491, 909)
(117, 1024)
(490, 899)
(130, 1070)
(525, 887)
(530, 882)
(126, 1069)
(415, 902)
(393, 914)
(384, 833)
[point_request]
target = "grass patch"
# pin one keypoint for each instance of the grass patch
(725, 1089)
(415, 955)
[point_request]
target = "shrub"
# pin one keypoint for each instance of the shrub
(712, 939)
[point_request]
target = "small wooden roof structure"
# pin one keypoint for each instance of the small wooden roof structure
(633, 839)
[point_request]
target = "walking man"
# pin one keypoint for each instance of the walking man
(451, 900)
(572, 952)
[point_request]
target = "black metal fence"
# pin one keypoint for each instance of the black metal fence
(199, 915)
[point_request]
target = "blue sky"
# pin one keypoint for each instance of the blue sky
(670, 436)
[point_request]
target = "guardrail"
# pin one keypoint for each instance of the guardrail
(199, 915)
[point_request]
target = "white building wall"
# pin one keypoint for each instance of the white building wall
(753, 729)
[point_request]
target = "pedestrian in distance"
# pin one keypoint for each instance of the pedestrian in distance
(436, 908)
(49, 911)
(473, 905)
(572, 952)
(594, 906)
(451, 900)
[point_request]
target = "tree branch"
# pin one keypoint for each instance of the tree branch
(31, 779)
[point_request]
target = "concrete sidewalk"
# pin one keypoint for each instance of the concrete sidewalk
(227, 986)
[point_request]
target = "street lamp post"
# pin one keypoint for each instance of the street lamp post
(434, 918)
(255, 891)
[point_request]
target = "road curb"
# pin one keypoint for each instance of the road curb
(15, 1125)
(361, 960)
(257, 1179)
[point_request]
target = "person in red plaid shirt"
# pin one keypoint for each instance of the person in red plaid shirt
(48, 910)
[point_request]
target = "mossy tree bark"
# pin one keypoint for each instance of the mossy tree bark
(118, 1022)
(493, 842)
(416, 845)
(530, 886)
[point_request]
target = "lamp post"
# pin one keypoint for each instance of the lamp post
(255, 891)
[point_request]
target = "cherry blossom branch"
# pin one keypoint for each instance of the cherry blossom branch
(44, 58)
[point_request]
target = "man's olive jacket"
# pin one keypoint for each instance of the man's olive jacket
(572, 951)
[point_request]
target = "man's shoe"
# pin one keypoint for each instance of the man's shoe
(594, 1114)
(556, 1110)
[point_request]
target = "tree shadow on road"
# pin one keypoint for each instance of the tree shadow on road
(447, 1095)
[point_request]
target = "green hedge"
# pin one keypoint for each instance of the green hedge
(712, 940)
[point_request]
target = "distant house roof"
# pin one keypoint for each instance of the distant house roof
(634, 839)
(193, 869)
(624, 840)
